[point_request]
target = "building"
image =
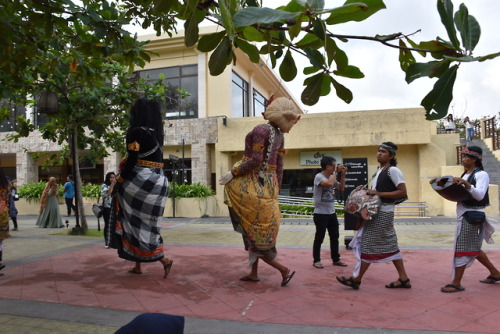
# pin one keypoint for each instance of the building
(204, 136)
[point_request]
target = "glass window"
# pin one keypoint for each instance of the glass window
(10, 124)
(185, 77)
(239, 97)
(259, 103)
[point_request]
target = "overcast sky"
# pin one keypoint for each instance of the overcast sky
(477, 85)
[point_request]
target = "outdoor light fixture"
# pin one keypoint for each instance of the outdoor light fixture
(47, 103)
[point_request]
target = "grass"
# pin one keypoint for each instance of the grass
(91, 232)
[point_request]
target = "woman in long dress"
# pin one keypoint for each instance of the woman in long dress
(253, 185)
(49, 217)
(141, 190)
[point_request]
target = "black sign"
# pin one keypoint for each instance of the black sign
(357, 175)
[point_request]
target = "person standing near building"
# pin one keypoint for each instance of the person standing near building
(469, 129)
(106, 191)
(331, 177)
(376, 240)
(50, 216)
(69, 194)
(253, 184)
(449, 124)
(12, 204)
(469, 237)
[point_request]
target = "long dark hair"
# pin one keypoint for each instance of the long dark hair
(4, 181)
(147, 113)
(393, 161)
(107, 179)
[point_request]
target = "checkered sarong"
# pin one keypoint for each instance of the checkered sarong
(141, 200)
(469, 240)
(379, 238)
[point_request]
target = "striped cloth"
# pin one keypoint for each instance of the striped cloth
(141, 201)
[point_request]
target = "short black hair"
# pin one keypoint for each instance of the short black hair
(326, 160)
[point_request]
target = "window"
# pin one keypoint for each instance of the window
(259, 103)
(184, 77)
(10, 124)
(239, 97)
(178, 171)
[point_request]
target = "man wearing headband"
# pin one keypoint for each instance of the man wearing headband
(468, 236)
(376, 240)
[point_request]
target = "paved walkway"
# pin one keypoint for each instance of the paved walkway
(69, 284)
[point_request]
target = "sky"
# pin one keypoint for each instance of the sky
(383, 87)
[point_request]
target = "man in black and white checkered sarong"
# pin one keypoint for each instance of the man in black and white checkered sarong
(469, 237)
(141, 191)
(376, 240)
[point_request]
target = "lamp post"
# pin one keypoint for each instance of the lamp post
(174, 160)
(48, 104)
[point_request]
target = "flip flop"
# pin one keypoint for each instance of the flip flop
(133, 271)
(167, 267)
(452, 286)
(488, 280)
(340, 263)
(249, 279)
(318, 265)
(403, 284)
(287, 279)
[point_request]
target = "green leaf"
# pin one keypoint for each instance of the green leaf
(315, 57)
(316, 4)
(469, 28)
(405, 56)
(354, 10)
(288, 70)
(259, 15)
(250, 49)
(311, 70)
(490, 56)
(191, 31)
(437, 102)
(252, 34)
(319, 28)
(350, 71)
(295, 29)
(307, 40)
(220, 58)
(342, 92)
(209, 42)
(314, 85)
(431, 69)
(227, 21)
(445, 9)
(163, 6)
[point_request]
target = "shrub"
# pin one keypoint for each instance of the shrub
(195, 190)
(91, 190)
(34, 190)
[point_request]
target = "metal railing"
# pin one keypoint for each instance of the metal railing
(405, 209)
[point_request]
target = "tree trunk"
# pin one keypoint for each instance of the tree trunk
(78, 183)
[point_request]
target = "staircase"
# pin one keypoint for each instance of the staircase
(490, 162)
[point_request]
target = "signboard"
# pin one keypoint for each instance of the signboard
(313, 158)
(357, 175)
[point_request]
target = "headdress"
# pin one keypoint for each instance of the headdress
(389, 148)
(474, 152)
(282, 112)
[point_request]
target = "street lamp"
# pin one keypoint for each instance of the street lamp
(174, 160)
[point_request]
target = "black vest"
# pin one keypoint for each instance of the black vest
(472, 203)
(385, 184)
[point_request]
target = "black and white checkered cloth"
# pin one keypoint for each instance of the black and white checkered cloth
(379, 236)
(142, 200)
(469, 240)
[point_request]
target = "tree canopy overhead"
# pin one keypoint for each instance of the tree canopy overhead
(39, 35)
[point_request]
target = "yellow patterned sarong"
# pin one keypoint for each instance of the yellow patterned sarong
(253, 200)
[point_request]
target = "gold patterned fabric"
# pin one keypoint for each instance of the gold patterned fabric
(4, 213)
(152, 164)
(254, 200)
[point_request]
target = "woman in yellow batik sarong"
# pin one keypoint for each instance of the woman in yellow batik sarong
(253, 185)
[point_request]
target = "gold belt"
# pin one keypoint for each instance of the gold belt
(152, 164)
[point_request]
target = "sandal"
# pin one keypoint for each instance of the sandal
(404, 284)
(350, 282)
(318, 265)
(167, 267)
(339, 263)
(2, 266)
(489, 280)
(449, 288)
(287, 278)
(134, 271)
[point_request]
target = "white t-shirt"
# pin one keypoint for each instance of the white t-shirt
(478, 192)
(396, 177)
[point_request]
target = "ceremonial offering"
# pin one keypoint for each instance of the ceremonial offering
(445, 187)
(360, 204)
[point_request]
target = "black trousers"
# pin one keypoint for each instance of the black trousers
(324, 223)
(106, 216)
(70, 205)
